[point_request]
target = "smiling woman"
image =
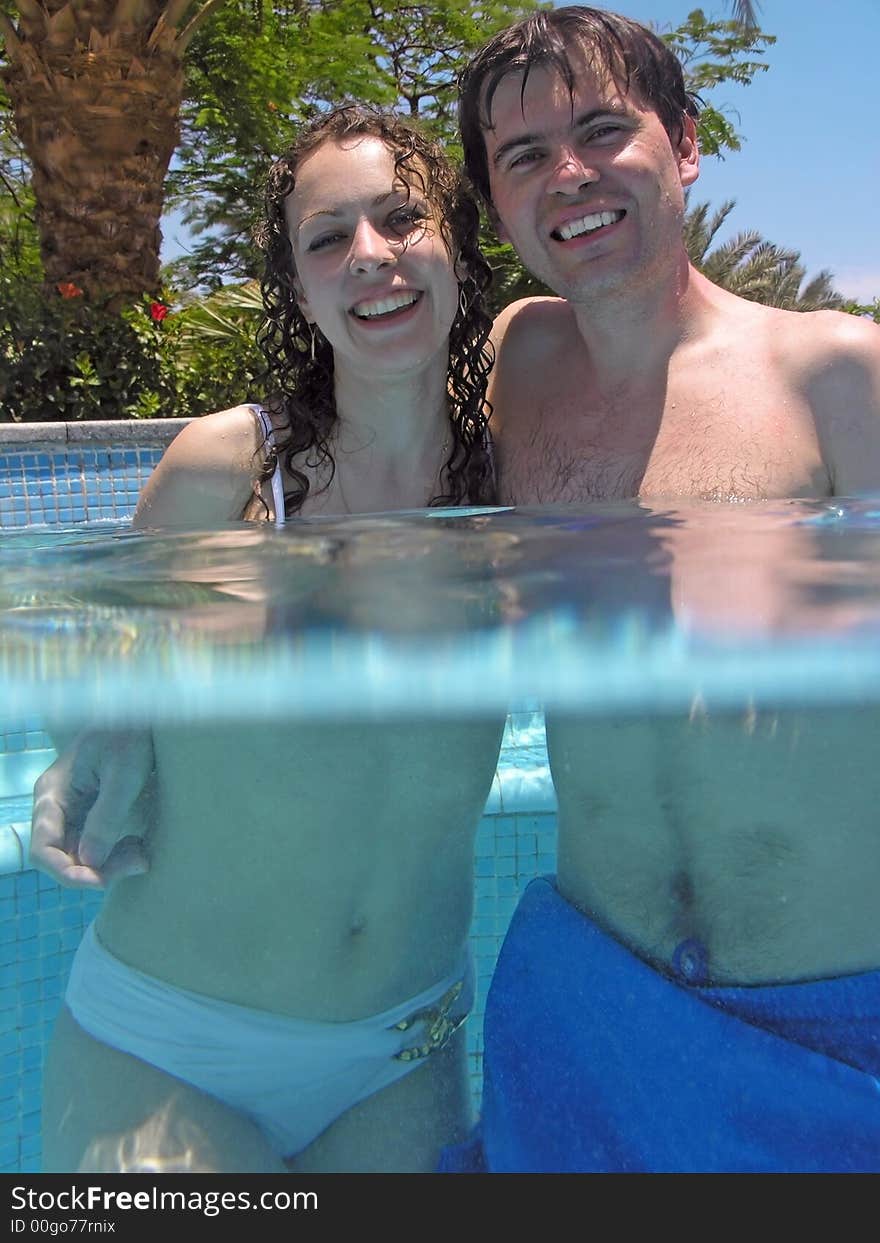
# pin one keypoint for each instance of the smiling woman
(314, 1024)
(377, 330)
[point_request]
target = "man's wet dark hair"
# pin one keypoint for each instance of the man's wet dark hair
(637, 60)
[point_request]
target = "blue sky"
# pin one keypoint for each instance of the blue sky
(808, 174)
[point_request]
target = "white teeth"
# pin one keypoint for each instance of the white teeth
(587, 224)
(383, 306)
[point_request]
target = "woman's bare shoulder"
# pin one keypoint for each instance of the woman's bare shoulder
(528, 315)
(207, 473)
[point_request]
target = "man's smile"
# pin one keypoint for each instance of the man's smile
(590, 223)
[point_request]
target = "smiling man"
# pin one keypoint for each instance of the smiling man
(685, 994)
(642, 377)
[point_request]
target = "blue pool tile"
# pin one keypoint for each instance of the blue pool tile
(29, 969)
(50, 921)
(50, 942)
(30, 1040)
(28, 882)
(10, 1083)
(31, 1082)
(30, 1015)
(32, 1054)
(70, 938)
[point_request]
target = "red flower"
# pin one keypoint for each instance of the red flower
(67, 289)
(158, 311)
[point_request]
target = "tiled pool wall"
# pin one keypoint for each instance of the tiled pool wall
(67, 473)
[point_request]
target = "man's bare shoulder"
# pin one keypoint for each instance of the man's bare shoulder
(834, 360)
(817, 338)
(206, 475)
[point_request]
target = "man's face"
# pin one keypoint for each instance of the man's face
(588, 188)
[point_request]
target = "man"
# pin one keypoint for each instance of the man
(684, 995)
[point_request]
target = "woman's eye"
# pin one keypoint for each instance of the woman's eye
(407, 218)
(326, 239)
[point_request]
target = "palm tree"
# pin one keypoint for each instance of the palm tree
(754, 268)
(96, 89)
(744, 13)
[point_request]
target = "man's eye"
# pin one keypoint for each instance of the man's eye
(527, 157)
(604, 131)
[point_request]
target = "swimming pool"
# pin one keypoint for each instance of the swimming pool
(583, 609)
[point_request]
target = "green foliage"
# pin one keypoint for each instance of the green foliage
(868, 310)
(63, 359)
(255, 72)
(754, 268)
(713, 52)
(19, 242)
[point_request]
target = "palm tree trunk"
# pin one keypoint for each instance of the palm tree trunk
(96, 89)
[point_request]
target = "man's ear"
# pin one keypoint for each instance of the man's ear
(688, 153)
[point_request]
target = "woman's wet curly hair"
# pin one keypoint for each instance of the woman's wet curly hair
(300, 361)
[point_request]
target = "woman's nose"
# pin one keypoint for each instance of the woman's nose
(371, 249)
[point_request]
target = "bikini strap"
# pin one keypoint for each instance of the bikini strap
(269, 440)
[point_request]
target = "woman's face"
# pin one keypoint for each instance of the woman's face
(372, 269)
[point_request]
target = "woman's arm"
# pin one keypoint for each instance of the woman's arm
(91, 807)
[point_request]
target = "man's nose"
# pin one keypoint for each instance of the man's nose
(571, 172)
(371, 249)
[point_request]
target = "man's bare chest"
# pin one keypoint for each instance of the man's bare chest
(717, 440)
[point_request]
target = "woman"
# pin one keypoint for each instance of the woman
(284, 987)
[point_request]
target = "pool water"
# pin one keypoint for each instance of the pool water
(623, 610)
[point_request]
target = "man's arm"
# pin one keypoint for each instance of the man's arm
(842, 384)
(92, 809)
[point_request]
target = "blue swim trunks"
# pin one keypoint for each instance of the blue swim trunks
(596, 1062)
